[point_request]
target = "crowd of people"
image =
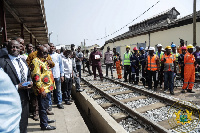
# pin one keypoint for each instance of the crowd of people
(34, 80)
(157, 66)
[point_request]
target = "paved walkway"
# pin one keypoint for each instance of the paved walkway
(68, 120)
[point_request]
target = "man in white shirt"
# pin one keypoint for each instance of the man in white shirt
(58, 74)
(68, 75)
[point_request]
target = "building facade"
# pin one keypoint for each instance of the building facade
(163, 28)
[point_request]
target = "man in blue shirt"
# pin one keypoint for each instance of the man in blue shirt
(159, 53)
(58, 74)
(10, 103)
(143, 58)
(135, 66)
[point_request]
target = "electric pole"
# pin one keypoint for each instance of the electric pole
(194, 23)
(84, 44)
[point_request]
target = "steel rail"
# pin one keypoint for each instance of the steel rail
(132, 112)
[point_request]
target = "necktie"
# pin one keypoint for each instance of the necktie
(23, 79)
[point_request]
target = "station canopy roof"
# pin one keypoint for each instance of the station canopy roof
(27, 13)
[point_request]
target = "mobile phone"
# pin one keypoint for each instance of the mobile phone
(26, 83)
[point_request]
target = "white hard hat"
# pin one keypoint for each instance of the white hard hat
(146, 48)
(152, 48)
(159, 45)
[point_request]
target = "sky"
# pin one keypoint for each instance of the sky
(72, 21)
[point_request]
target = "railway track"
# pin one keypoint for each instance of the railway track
(138, 109)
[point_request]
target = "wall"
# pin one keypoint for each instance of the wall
(165, 38)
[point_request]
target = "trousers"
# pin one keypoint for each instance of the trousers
(189, 76)
(154, 75)
(119, 69)
(77, 82)
(127, 71)
(25, 110)
(34, 104)
(78, 67)
(67, 89)
(43, 105)
(109, 66)
(169, 80)
(57, 94)
(98, 67)
(135, 74)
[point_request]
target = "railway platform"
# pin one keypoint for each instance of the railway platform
(68, 120)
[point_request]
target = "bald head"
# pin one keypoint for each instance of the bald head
(20, 40)
(95, 49)
(42, 52)
(47, 46)
(13, 48)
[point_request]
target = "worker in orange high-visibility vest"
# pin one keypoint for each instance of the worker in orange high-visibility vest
(152, 67)
(168, 60)
(189, 70)
(118, 63)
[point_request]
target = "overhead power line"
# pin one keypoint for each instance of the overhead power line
(129, 22)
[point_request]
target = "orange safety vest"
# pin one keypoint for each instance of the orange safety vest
(152, 66)
(189, 59)
(169, 63)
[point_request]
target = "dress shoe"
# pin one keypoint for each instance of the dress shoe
(51, 121)
(79, 90)
(183, 91)
(60, 106)
(165, 90)
(48, 127)
(70, 100)
(149, 88)
(50, 108)
(36, 118)
(190, 91)
(172, 92)
(68, 103)
(49, 112)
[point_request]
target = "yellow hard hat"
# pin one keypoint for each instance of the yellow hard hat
(128, 47)
(190, 46)
(168, 47)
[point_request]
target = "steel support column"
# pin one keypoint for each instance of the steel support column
(149, 40)
(194, 23)
(3, 21)
(22, 30)
(31, 38)
(35, 43)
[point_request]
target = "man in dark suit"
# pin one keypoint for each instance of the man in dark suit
(17, 70)
(3, 50)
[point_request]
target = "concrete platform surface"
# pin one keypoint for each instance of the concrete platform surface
(68, 120)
